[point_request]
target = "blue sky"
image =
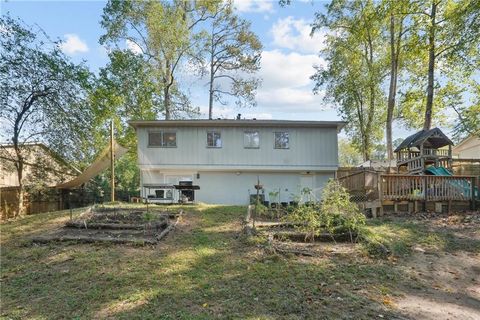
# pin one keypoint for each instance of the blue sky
(287, 60)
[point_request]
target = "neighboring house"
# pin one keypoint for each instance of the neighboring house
(219, 161)
(378, 165)
(469, 148)
(42, 166)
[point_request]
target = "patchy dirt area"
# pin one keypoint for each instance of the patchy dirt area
(437, 257)
(208, 269)
(114, 225)
(450, 286)
(449, 277)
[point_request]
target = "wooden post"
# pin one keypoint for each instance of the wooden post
(425, 185)
(380, 193)
(112, 163)
(411, 208)
(450, 167)
(474, 204)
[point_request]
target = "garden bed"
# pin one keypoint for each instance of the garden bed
(114, 225)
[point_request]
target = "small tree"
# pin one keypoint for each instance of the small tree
(275, 198)
(306, 219)
(307, 195)
(338, 213)
(42, 96)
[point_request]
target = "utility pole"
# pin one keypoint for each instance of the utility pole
(112, 163)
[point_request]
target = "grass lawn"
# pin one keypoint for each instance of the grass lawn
(206, 269)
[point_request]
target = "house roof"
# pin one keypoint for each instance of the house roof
(473, 138)
(433, 138)
(237, 123)
(49, 151)
(378, 164)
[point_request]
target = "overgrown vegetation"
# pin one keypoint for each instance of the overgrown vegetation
(202, 271)
(336, 214)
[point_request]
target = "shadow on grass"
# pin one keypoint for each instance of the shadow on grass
(202, 272)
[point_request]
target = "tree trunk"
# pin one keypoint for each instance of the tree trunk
(166, 90)
(21, 200)
(166, 101)
(366, 153)
(371, 106)
(392, 89)
(431, 68)
(210, 98)
(21, 191)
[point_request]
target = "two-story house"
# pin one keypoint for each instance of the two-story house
(219, 161)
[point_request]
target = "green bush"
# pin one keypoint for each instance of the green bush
(306, 219)
(335, 215)
(339, 214)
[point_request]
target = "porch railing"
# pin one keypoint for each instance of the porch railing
(370, 185)
(405, 155)
(428, 188)
(362, 185)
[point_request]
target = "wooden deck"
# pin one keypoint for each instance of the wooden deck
(368, 187)
(427, 188)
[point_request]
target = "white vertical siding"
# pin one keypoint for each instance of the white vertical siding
(309, 147)
(234, 188)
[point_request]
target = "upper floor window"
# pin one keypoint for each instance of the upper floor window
(281, 140)
(166, 139)
(214, 139)
(251, 139)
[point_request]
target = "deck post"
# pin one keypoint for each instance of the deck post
(380, 193)
(425, 185)
(450, 164)
(472, 188)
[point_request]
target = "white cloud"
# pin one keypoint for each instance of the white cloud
(294, 34)
(254, 5)
(287, 70)
(73, 44)
(132, 46)
(287, 86)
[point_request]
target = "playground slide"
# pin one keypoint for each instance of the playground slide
(464, 186)
(440, 171)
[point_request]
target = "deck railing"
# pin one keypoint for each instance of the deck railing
(362, 185)
(405, 155)
(428, 188)
(370, 185)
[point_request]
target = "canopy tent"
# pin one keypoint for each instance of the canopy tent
(101, 163)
